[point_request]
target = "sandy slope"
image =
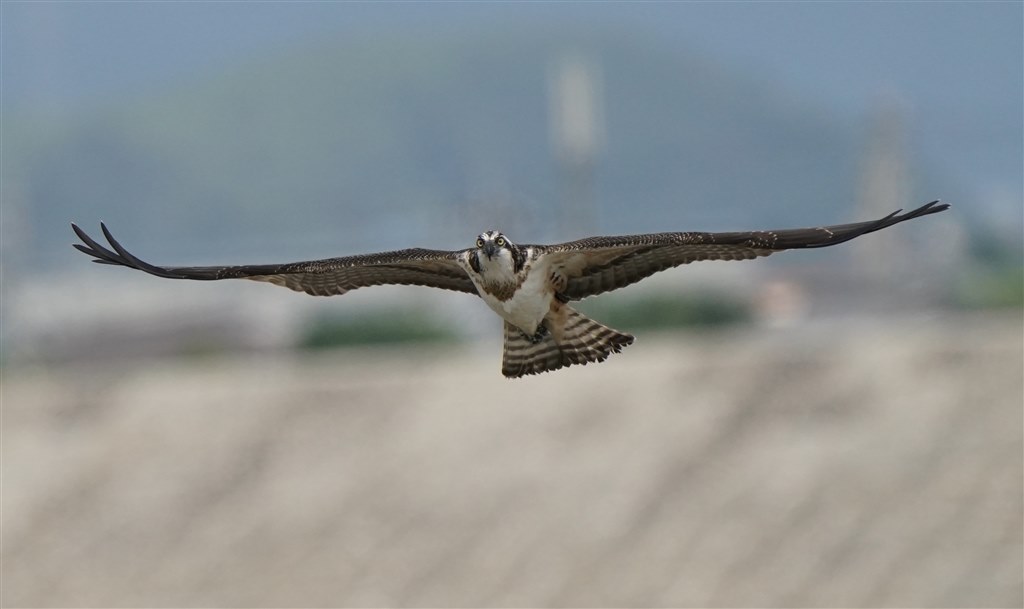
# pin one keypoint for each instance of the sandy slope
(871, 463)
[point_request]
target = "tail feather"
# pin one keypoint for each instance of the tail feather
(577, 339)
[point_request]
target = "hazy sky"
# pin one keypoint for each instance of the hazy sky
(956, 66)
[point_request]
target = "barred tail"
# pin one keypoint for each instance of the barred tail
(568, 338)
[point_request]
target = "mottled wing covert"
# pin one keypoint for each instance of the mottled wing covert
(599, 264)
(328, 277)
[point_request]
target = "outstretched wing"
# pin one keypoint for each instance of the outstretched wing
(328, 277)
(599, 264)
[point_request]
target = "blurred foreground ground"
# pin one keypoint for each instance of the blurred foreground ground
(869, 463)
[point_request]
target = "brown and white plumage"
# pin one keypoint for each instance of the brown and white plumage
(529, 286)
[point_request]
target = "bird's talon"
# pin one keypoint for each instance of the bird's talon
(538, 336)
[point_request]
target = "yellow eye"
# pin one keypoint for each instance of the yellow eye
(500, 241)
(479, 242)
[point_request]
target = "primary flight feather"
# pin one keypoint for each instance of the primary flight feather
(529, 286)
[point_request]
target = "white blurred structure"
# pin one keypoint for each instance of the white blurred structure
(884, 187)
(578, 136)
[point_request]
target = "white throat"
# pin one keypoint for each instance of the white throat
(500, 268)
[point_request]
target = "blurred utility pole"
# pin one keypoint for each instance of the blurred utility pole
(577, 129)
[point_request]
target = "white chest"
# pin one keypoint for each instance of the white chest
(528, 304)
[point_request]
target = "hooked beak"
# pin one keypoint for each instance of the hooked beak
(490, 249)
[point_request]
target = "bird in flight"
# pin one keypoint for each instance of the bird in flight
(529, 286)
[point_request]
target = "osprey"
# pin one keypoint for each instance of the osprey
(529, 286)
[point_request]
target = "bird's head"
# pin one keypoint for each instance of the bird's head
(496, 254)
(493, 243)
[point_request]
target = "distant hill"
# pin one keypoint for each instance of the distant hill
(362, 143)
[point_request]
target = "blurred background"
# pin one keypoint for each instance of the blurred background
(829, 428)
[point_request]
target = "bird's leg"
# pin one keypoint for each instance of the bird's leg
(538, 336)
